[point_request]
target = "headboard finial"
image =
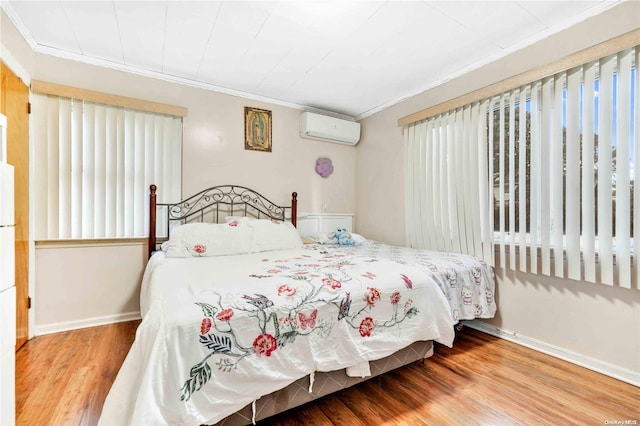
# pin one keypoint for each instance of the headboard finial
(294, 208)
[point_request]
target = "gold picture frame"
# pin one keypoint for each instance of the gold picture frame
(257, 129)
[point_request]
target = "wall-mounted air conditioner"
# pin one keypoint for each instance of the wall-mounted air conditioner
(330, 129)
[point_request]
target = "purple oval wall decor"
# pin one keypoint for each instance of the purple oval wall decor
(324, 167)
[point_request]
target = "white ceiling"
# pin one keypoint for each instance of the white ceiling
(347, 57)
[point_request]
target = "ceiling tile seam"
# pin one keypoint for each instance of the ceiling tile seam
(268, 74)
(115, 13)
(255, 36)
(335, 43)
(461, 24)
(262, 26)
(213, 27)
(164, 41)
(443, 13)
(378, 9)
(530, 13)
(75, 36)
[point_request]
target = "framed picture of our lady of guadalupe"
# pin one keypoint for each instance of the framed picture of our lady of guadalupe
(257, 129)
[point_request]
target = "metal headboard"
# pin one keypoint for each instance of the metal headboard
(207, 205)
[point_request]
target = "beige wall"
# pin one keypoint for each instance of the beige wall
(591, 320)
(85, 285)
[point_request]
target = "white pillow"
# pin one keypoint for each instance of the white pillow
(210, 239)
(273, 235)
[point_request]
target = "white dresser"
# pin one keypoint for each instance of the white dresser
(7, 285)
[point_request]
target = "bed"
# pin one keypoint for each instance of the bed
(241, 320)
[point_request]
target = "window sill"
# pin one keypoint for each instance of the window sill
(92, 242)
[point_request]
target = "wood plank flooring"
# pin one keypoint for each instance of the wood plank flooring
(63, 379)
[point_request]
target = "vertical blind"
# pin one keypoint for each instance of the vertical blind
(562, 160)
(447, 183)
(94, 164)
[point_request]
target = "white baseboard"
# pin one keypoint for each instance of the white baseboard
(605, 368)
(84, 323)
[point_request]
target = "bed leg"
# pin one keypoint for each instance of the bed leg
(430, 351)
(459, 326)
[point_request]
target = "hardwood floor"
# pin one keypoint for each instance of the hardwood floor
(63, 379)
(482, 380)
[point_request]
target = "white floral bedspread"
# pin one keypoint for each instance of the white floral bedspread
(220, 332)
(467, 281)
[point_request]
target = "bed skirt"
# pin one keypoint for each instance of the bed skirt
(297, 393)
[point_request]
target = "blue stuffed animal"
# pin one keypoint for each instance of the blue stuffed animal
(343, 237)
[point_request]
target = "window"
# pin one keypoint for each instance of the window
(94, 164)
(546, 170)
(564, 170)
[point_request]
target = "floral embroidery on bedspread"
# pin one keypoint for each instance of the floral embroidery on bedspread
(310, 299)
